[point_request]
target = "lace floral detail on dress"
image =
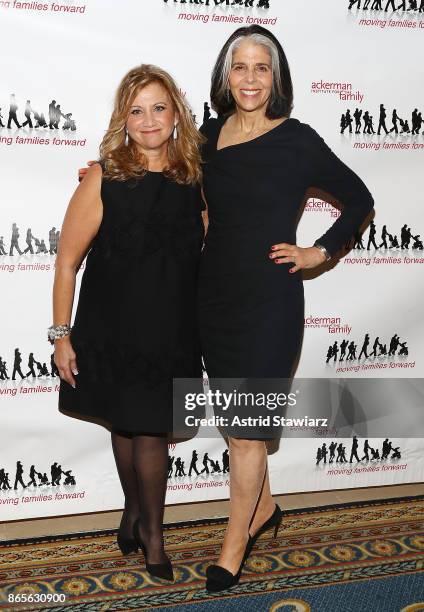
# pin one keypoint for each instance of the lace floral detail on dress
(180, 238)
(128, 364)
(118, 238)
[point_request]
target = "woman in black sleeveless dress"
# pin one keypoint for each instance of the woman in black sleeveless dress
(135, 327)
(259, 163)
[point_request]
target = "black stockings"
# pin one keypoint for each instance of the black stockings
(142, 463)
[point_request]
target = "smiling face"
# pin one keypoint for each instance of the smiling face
(250, 78)
(151, 119)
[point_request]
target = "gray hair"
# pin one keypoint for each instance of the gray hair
(258, 39)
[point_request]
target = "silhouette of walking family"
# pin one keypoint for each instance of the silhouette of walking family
(35, 119)
(207, 462)
(377, 5)
(56, 474)
(407, 240)
(38, 247)
(42, 368)
(346, 351)
(370, 453)
(246, 3)
(365, 122)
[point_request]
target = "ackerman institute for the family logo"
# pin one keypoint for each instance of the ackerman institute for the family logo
(401, 126)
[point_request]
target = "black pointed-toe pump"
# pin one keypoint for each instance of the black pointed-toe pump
(159, 570)
(126, 545)
(273, 521)
(218, 578)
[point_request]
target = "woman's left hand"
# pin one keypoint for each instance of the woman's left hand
(303, 258)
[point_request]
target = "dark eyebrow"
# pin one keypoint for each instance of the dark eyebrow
(257, 64)
(138, 106)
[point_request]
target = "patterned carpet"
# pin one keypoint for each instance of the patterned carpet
(361, 557)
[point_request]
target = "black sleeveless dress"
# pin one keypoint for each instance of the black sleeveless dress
(135, 326)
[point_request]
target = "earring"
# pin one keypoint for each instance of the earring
(175, 132)
(126, 137)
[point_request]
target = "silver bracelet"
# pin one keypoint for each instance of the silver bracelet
(57, 331)
(323, 250)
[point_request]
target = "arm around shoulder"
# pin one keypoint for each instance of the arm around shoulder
(206, 126)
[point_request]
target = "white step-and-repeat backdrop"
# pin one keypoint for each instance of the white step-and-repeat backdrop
(358, 80)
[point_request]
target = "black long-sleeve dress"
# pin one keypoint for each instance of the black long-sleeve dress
(251, 310)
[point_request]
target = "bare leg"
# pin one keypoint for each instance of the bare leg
(248, 460)
(265, 506)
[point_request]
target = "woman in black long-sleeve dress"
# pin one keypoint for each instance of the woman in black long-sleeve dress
(259, 163)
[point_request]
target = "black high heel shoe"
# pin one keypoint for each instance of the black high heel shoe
(159, 570)
(218, 578)
(126, 545)
(273, 521)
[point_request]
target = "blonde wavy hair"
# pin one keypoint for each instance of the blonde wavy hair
(121, 161)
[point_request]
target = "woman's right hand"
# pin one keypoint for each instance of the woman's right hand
(65, 359)
(83, 171)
